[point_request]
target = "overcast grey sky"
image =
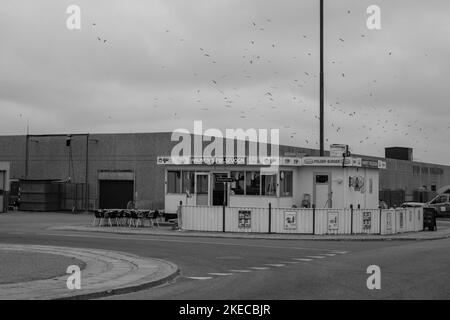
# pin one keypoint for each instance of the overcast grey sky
(233, 64)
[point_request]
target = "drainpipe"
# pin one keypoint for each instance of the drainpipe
(27, 138)
(86, 178)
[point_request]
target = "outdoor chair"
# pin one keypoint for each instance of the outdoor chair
(133, 218)
(121, 218)
(98, 216)
(107, 217)
(140, 218)
(153, 217)
(115, 217)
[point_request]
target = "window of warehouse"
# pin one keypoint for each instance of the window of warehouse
(286, 183)
(269, 185)
(238, 186)
(252, 183)
(188, 181)
(173, 181)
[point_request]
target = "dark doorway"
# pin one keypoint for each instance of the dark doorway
(115, 194)
(218, 190)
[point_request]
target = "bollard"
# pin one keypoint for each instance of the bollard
(179, 215)
(351, 219)
(314, 219)
(380, 221)
(270, 217)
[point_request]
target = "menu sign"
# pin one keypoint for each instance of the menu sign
(244, 219)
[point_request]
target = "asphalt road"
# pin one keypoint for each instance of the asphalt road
(213, 268)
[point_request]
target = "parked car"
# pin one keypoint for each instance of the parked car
(441, 204)
(412, 205)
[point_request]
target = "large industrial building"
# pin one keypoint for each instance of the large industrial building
(89, 171)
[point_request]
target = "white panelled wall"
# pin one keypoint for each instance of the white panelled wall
(300, 221)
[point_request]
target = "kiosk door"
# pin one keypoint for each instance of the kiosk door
(2, 190)
(202, 189)
(220, 194)
(322, 190)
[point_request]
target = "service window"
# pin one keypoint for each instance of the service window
(202, 184)
(238, 186)
(286, 183)
(252, 183)
(188, 182)
(322, 178)
(173, 181)
(269, 185)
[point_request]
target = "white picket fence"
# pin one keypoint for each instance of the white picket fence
(301, 221)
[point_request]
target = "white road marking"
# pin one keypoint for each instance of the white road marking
(219, 274)
(316, 257)
(150, 237)
(275, 265)
(302, 259)
(341, 252)
(240, 270)
(259, 268)
(199, 278)
(328, 254)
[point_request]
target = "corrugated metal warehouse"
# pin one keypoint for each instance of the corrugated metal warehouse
(107, 170)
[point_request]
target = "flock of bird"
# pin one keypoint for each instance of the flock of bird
(377, 121)
(373, 121)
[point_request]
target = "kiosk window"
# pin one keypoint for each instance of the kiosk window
(269, 185)
(188, 181)
(238, 186)
(202, 184)
(173, 181)
(322, 178)
(252, 185)
(286, 183)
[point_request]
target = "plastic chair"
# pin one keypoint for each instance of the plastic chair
(133, 218)
(108, 215)
(97, 217)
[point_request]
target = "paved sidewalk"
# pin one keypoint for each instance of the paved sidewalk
(106, 272)
(441, 233)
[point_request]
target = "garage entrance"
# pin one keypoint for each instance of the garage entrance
(2, 191)
(115, 194)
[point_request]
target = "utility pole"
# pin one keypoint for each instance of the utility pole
(321, 82)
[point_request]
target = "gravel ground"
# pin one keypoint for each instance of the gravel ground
(19, 266)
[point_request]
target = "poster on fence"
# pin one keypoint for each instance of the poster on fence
(333, 220)
(388, 222)
(290, 220)
(244, 219)
(367, 220)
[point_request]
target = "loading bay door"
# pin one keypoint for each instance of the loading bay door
(115, 194)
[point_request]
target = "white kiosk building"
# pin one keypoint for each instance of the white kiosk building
(304, 195)
(325, 182)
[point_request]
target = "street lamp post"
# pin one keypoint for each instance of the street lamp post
(321, 82)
